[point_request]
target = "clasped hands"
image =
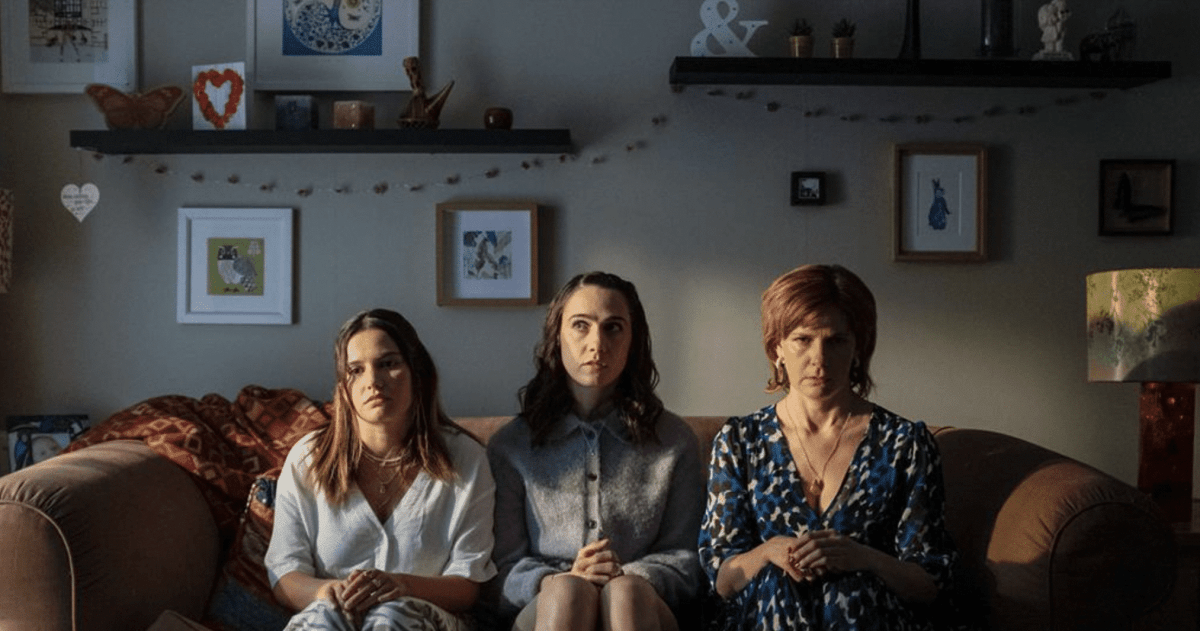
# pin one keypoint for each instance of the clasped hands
(361, 590)
(597, 563)
(812, 555)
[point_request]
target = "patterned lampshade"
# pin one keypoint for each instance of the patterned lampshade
(1143, 325)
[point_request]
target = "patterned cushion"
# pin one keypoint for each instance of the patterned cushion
(242, 600)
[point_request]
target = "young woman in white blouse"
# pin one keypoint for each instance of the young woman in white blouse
(383, 517)
(599, 490)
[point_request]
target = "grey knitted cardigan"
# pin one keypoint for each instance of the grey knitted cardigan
(590, 481)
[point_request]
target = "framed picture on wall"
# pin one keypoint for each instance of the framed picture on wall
(1137, 197)
(487, 254)
(808, 188)
(305, 46)
(940, 199)
(235, 266)
(59, 46)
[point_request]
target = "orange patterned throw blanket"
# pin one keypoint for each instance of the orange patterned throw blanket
(224, 445)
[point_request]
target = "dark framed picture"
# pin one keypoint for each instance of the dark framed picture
(808, 188)
(941, 202)
(1137, 197)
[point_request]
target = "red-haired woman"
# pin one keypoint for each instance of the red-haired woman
(825, 511)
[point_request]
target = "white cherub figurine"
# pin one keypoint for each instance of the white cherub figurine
(1052, 18)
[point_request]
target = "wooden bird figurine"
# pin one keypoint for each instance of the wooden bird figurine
(422, 111)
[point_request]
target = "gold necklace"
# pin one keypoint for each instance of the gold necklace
(394, 463)
(817, 485)
(387, 462)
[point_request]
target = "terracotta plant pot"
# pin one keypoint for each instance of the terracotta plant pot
(842, 47)
(801, 46)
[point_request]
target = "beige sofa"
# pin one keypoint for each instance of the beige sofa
(110, 536)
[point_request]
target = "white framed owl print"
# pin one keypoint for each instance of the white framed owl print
(235, 266)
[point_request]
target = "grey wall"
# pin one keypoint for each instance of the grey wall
(697, 215)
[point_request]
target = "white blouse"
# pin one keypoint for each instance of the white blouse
(437, 529)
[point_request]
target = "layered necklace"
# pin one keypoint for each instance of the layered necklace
(390, 468)
(816, 485)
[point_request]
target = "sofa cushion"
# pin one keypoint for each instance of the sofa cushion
(242, 599)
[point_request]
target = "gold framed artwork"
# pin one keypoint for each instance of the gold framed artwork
(940, 200)
(487, 253)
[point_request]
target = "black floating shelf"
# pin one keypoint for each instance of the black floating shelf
(1011, 73)
(325, 141)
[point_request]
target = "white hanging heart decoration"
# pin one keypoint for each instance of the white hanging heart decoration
(80, 200)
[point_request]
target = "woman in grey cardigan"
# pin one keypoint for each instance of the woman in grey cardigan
(599, 490)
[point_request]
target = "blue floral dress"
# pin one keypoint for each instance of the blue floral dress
(891, 499)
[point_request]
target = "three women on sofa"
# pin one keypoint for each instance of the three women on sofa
(599, 490)
(383, 517)
(824, 510)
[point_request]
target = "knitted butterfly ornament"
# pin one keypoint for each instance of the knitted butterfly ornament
(147, 110)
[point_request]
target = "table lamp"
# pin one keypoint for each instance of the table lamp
(1144, 326)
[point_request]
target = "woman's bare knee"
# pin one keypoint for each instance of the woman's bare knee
(631, 603)
(567, 602)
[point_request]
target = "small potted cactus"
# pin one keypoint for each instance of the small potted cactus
(800, 40)
(842, 44)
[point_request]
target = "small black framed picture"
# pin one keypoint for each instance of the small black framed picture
(808, 188)
(1137, 197)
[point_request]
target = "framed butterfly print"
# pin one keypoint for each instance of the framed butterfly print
(318, 45)
(941, 202)
(60, 46)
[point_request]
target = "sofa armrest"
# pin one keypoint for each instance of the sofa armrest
(1048, 542)
(103, 538)
(1095, 546)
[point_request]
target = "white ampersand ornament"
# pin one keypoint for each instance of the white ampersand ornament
(717, 29)
(80, 200)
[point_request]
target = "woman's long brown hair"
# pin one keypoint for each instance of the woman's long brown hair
(546, 399)
(337, 448)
